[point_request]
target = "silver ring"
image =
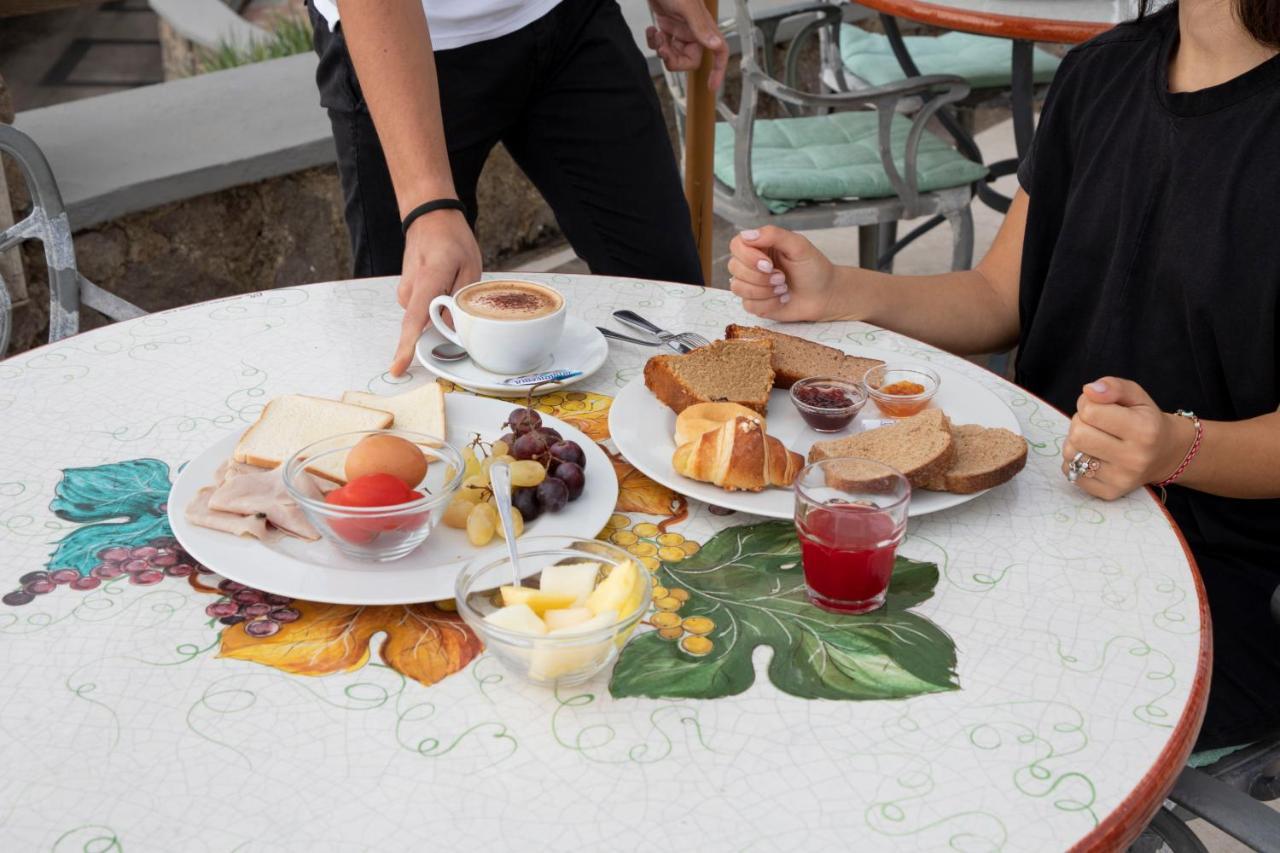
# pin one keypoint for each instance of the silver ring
(1081, 465)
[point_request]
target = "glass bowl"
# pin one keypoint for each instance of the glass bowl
(570, 658)
(828, 418)
(381, 533)
(877, 379)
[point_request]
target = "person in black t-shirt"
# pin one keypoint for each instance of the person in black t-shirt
(1138, 270)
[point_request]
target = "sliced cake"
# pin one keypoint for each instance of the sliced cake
(730, 371)
(796, 358)
(985, 457)
(921, 447)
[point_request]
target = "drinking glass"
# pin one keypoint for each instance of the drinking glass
(850, 516)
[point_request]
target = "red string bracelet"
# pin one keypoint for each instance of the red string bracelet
(1191, 453)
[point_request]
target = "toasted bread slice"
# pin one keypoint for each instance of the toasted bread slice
(985, 457)
(732, 371)
(796, 358)
(291, 422)
(420, 410)
(921, 447)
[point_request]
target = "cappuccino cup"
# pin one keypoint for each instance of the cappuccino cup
(507, 326)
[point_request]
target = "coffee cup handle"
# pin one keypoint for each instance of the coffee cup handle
(436, 310)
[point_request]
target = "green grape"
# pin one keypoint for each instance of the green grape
(500, 448)
(527, 472)
(481, 525)
(470, 464)
(517, 521)
(455, 514)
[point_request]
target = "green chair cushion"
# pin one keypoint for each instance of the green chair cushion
(837, 156)
(1211, 756)
(984, 61)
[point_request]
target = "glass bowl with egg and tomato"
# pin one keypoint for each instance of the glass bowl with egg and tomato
(375, 495)
(901, 390)
(568, 620)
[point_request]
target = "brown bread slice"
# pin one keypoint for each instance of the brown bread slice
(796, 358)
(732, 371)
(985, 457)
(921, 447)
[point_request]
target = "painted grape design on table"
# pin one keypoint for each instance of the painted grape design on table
(744, 588)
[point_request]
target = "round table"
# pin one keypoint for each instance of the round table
(1040, 690)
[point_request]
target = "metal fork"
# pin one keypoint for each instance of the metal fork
(671, 339)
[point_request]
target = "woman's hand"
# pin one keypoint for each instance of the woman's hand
(440, 255)
(1118, 424)
(780, 275)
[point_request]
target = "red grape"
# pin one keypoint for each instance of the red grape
(33, 576)
(523, 420)
(114, 554)
(135, 566)
(231, 620)
(572, 476)
(146, 578)
(63, 575)
(531, 445)
(179, 571)
(285, 614)
(261, 628)
(248, 596)
(17, 598)
(272, 598)
(553, 494)
(525, 499)
(222, 608)
(146, 552)
(230, 586)
(551, 435)
(163, 561)
(255, 610)
(569, 451)
(106, 571)
(40, 586)
(86, 583)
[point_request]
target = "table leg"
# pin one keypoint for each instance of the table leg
(699, 154)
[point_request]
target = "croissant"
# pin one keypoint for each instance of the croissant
(738, 456)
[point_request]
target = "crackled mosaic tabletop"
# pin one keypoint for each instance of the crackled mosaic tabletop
(1032, 684)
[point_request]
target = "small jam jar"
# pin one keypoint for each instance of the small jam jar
(901, 390)
(828, 404)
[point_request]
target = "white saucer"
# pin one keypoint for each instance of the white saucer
(581, 347)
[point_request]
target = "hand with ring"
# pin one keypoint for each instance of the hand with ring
(1119, 440)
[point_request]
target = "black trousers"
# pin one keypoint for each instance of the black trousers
(571, 99)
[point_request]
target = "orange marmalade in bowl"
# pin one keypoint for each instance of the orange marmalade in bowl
(901, 390)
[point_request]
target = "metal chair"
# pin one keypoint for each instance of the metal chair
(742, 205)
(49, 224)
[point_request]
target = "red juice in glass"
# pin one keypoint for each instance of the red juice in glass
(850, 517)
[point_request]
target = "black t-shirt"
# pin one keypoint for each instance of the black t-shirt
(1152, 252)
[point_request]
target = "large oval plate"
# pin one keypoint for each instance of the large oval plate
(316, 571)
(643, 429)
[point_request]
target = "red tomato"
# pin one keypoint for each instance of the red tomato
(373, 490)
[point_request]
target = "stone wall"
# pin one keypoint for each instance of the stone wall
(278, 232)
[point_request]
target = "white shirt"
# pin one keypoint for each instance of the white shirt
(457, 23)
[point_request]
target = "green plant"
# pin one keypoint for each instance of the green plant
(289, 35)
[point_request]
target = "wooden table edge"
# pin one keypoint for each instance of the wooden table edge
(990, 23)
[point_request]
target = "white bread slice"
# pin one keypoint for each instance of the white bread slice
(291, 422)
(420, 410)
(921, 447)
(985, 458)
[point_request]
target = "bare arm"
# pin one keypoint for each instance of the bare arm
(971, 311)
(390, 47)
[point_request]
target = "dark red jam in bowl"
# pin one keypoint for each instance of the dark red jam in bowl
(828, 405)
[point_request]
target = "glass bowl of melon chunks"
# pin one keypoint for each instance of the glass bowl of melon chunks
(568, 619)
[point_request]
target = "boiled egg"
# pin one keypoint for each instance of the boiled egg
(387, 454)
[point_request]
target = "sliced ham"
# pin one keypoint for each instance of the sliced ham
(263, 493)
(199, 512)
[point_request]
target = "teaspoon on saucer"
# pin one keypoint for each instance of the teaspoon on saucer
(448, 351)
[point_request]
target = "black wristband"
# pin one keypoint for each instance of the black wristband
(424, 209)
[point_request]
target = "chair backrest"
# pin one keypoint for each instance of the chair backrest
(48, 223)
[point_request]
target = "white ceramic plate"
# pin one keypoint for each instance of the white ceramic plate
(581, 347)
(316, 571)
(643, 428)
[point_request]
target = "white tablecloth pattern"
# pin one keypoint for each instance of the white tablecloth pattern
(1075, 621)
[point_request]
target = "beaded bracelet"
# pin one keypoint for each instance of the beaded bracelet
(1191, 453)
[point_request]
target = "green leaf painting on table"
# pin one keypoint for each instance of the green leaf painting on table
(119, 503)
(748, 583)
